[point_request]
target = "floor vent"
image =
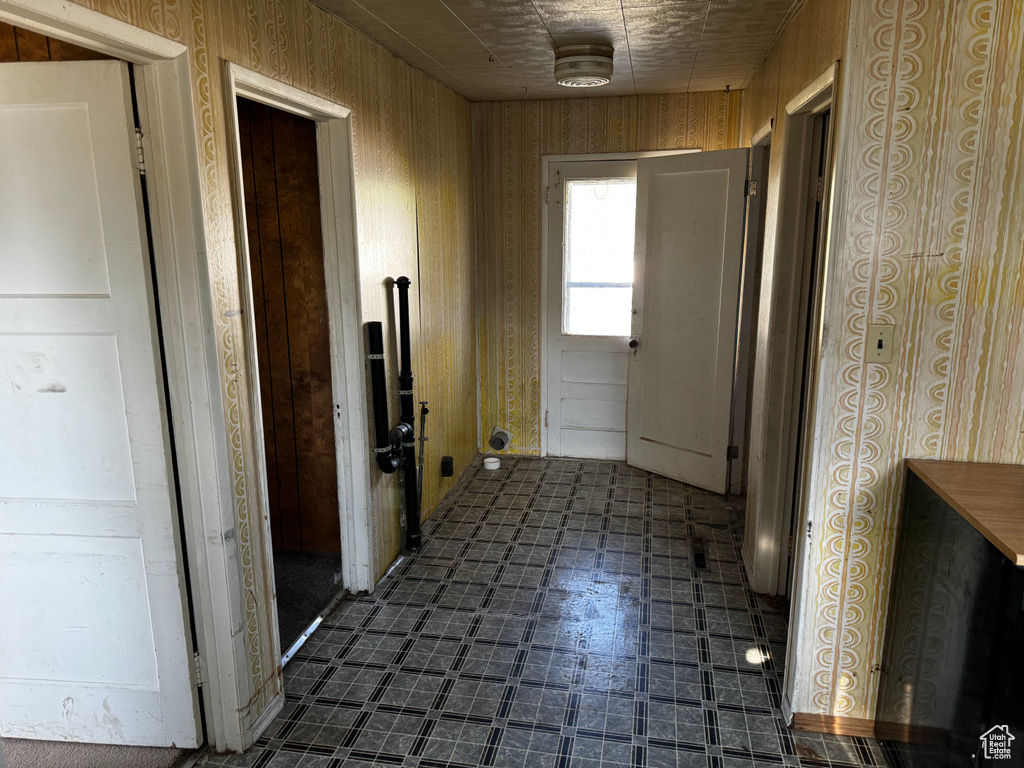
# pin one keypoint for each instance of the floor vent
(697, 555)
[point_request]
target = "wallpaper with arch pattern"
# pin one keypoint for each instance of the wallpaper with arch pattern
(930, 223)
(932, 236)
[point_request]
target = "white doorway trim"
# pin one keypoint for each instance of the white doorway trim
(338, 217)
(546, 396)
(165, 101)
(784, 371)
(750, 280)
(769, 515)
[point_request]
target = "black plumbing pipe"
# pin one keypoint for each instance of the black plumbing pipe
(388, 458)
(408, 417)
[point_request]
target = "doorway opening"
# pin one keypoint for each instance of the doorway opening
(806, 343)
(803, 166)
(750, 292)
(809, 176)
(280, 181)
(642, 258)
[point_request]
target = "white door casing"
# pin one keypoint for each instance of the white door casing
(585, 404)
(689, 248)
(94, 643)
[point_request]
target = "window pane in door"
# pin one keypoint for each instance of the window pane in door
(598, 256)
(600, 311)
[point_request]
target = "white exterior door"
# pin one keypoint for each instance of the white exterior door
(591, 208)
(689, 250)
(93, 635)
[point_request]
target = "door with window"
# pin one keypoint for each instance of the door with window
(591, 212)
(644, 262)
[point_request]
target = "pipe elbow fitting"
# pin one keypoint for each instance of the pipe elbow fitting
(400, 433)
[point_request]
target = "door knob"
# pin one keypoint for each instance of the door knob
(633, 343)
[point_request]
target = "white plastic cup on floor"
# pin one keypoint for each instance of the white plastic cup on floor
(492, 462)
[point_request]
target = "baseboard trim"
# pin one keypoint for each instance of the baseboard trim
(268, 716)
(745, 559)
(912, 734)
(840, 726)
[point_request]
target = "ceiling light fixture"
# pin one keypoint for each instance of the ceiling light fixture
(583, 66)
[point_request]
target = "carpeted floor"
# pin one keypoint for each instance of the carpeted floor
(306, 583)
(28, 753)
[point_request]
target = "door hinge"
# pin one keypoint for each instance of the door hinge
(545, 418)
(547, 195)
(751, 187)
(197, 669)
(789, 545)
(140, 153)
(732, 452)
(819, 194)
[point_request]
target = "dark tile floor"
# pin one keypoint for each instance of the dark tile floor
(554, 617)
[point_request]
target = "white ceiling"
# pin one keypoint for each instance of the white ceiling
(504, 49)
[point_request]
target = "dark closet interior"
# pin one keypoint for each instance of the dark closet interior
(282, 206)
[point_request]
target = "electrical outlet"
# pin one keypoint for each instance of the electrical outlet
(879, 343)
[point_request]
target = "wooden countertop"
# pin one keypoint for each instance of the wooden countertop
(989, 496)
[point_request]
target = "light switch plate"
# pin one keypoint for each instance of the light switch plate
(878, 348)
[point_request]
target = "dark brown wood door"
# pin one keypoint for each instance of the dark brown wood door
(282, 207)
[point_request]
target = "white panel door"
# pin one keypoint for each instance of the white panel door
(93, 640)
(689, 248)
(586, 355)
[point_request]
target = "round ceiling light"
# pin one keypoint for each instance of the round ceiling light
(583, 66)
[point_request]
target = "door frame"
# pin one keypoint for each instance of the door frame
(335, 166)
(768, 518)
(769, 515)
(164, 89)
(808, 105)
(545, 181)
(750, 280)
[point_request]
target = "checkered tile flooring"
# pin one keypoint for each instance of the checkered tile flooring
(553, 618)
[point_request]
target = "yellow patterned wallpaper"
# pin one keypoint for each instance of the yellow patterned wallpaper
(412, 147)
(930, 235)
(509, 139)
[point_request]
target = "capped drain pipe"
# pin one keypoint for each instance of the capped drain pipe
(389, 458)
(408, 417)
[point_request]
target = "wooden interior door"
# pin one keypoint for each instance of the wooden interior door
(689, 248)
(282, 204)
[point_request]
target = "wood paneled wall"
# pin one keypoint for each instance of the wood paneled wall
(17, 44)
(286, 263)
(509, 139)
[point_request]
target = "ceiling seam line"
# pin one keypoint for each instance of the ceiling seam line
(469, 29)
(406, 39)
(629, 48)
(696, 53)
